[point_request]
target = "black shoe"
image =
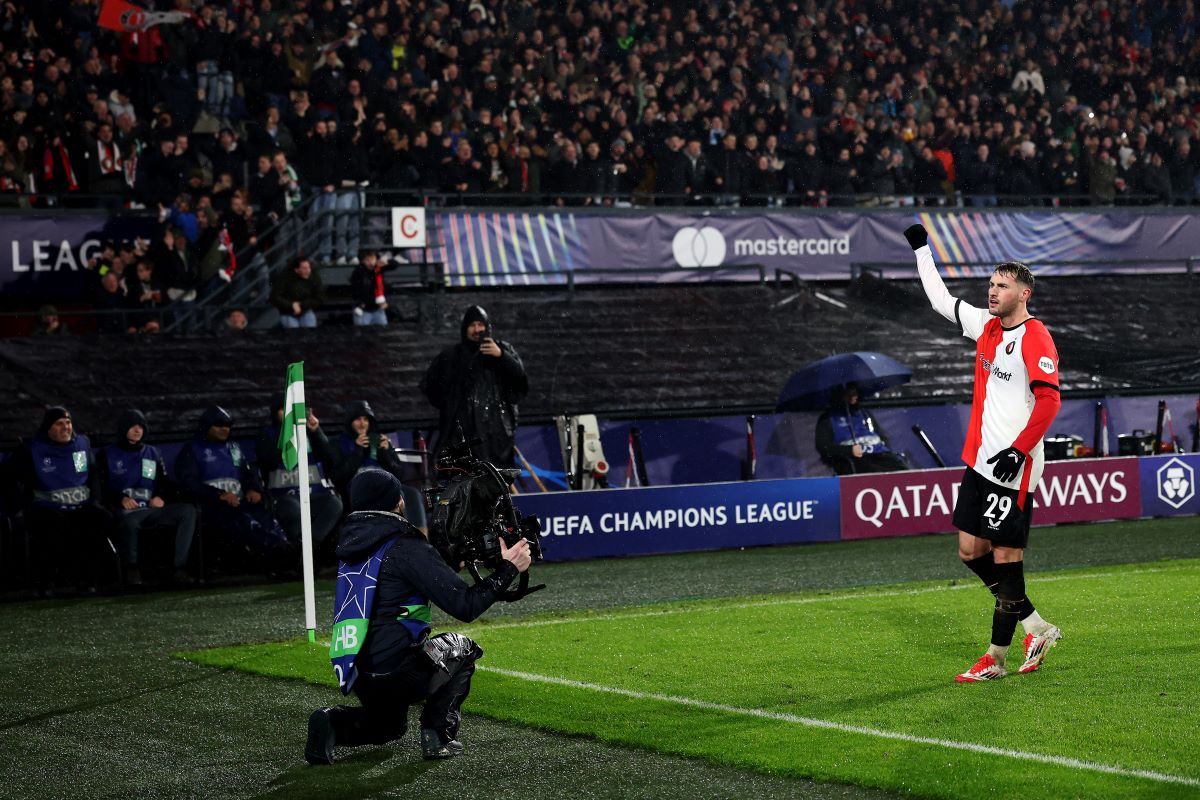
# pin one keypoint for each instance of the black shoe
(181, 578)
(319, 749)
(433, 747)
(133, 576)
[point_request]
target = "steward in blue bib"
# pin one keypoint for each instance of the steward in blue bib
(57, 471)
(132, 469)
(208, 467)
(213, 472)
(136, 491)
(64, 476)
(389, 576)
(283, 484)
(849, 438)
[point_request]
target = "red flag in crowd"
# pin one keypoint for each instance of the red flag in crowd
(123, 16)
(227, 247)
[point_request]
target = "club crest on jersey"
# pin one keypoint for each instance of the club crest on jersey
(1011, 346)
(1046, 364)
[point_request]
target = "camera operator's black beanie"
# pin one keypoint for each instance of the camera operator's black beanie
(374, 490)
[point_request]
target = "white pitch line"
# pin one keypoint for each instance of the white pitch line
(798, 601)
(810, 722)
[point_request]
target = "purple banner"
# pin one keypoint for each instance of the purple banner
(1169, 485)
(46, 256)
(908, 503)
(673, 519)
(518, 248)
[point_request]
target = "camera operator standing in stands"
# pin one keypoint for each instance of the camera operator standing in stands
(388, 576)
(477, 384)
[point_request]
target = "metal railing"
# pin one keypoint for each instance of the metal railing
(642, 198)
(1114, 265)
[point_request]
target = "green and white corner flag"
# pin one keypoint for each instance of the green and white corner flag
(294, 413)
(293, 452)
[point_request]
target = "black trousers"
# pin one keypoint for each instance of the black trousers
(66, 546)
(383, 715)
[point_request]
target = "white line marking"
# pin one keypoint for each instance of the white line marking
(709, 607)
(1041, 758)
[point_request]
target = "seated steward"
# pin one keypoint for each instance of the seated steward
(215, 475)
(136, 485)
(67, 525)
(284, 484)
(849, 438)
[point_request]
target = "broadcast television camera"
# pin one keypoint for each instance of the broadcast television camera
(471, 510)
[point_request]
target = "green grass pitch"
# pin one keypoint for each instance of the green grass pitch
(856, 686)
(822, 671)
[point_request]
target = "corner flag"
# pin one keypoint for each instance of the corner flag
(294, 413)
(293, 452)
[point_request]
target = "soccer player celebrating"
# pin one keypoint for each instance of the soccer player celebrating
(1015, 400)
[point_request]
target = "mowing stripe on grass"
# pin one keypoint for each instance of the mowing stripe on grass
(802, 601)
(1041, 758)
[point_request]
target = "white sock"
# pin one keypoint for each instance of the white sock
(1035, 624)
(997, 652)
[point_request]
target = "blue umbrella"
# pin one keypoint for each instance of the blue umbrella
(809, 389)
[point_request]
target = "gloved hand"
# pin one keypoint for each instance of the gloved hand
(1008, 464)
(916, 235)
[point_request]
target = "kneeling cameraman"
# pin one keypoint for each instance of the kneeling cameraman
(381, 650)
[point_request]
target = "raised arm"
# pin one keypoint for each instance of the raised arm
(969, 318)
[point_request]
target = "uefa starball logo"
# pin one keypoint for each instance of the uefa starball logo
(699, 247)
(1176, 483)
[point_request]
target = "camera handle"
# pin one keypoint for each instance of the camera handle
(510, 513)
(508, 595)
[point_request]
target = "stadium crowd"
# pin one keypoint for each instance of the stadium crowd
(227, 121)
(263, 99)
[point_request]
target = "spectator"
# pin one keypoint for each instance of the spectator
(283, 485)
(112, 306)
(106, 163)
(268, 190)
(928, 175)
(476, 386)
(229, 157)
(361, 447)
(730, 169)
(1102, 178)
(671, 172)
(48, 323)
(366, 284)
(297, 293)
(213, 473)
(1183, 173)
(696, 169)
(497, 169)
(464, 174)
(147, 292)
(235, 322)
(849, 438)
(136, 489)
(979, 177)
(57, 470)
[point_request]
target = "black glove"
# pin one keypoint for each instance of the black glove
(916, 235)
(1009, 465)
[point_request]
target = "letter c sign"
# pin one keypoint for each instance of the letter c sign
(408, 227)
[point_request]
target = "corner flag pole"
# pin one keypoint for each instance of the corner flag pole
(293, 443)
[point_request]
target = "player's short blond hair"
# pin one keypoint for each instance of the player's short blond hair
(1017, 270)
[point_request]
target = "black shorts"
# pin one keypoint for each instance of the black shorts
(990, 511)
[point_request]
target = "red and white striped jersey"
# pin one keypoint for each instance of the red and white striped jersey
(1009, 364)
